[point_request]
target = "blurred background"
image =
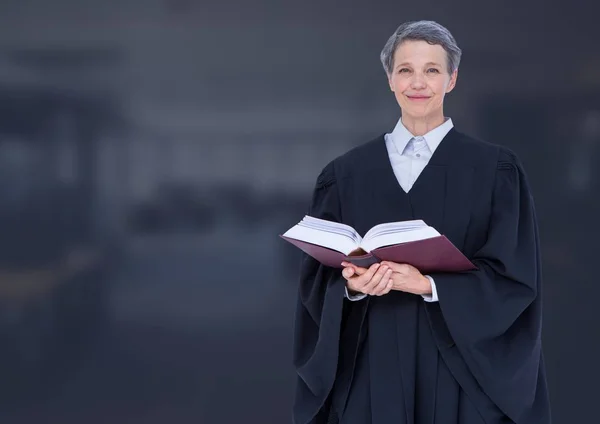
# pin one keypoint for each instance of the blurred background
(152, 151)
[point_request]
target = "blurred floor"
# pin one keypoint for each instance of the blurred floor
(171, 352)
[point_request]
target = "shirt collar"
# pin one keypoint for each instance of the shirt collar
(401, 135)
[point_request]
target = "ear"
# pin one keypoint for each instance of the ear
(389, 76)
(452, 82)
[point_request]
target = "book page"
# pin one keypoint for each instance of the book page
(331, 226)
(335, 236)
(395, 227)
(391, 238)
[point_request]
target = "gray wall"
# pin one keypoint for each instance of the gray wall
(152, 151)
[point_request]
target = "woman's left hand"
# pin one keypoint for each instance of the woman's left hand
(408, 279)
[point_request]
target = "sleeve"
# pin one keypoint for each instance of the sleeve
(494, 313)
(355, 297)
(433, 297)
(318, 316)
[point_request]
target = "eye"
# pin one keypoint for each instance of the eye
(434, 70)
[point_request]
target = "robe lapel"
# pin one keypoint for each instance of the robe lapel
(428, 195)
(441, 196)
(457, 205)
(384, 199)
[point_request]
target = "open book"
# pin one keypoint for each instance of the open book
(412, 242)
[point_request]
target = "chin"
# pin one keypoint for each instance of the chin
(420, 113)
(415, 113)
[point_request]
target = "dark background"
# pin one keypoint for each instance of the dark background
(151, 152)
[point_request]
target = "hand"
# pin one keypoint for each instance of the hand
(408, 279)
(374, 281)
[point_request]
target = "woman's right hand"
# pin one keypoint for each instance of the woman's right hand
(374, 281)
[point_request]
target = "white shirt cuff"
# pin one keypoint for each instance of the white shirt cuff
(355, 297)
(433, 297)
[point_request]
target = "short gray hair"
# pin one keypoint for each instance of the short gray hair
(428, 31)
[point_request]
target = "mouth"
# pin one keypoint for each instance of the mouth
(418, 98)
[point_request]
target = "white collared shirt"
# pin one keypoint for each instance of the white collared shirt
(409, 155)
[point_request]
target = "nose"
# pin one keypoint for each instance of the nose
(418, 81)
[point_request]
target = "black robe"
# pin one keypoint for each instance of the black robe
(473, 357)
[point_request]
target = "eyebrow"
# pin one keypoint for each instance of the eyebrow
(427, 64)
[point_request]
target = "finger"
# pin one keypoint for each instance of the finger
(368, 276)
(380, 289)
(388, 288)
(360, 270)
(357, 269)
(376, 279)
(396, 267)
(347, 273)
(361, 281)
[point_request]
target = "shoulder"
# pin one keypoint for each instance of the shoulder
(344, 165)
(501, 164)
(485, 152)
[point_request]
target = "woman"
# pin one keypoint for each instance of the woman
(388, 345)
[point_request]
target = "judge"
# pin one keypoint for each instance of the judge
(388, 345)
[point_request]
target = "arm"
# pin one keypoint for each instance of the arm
(319, 311)
(494, 313)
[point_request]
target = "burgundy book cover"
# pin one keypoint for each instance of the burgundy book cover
(436, 254)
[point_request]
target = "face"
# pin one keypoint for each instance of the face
(420, 79)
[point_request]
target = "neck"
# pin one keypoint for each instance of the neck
(422, 125)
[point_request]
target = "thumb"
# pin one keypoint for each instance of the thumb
(348, 272)
(356, 269)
